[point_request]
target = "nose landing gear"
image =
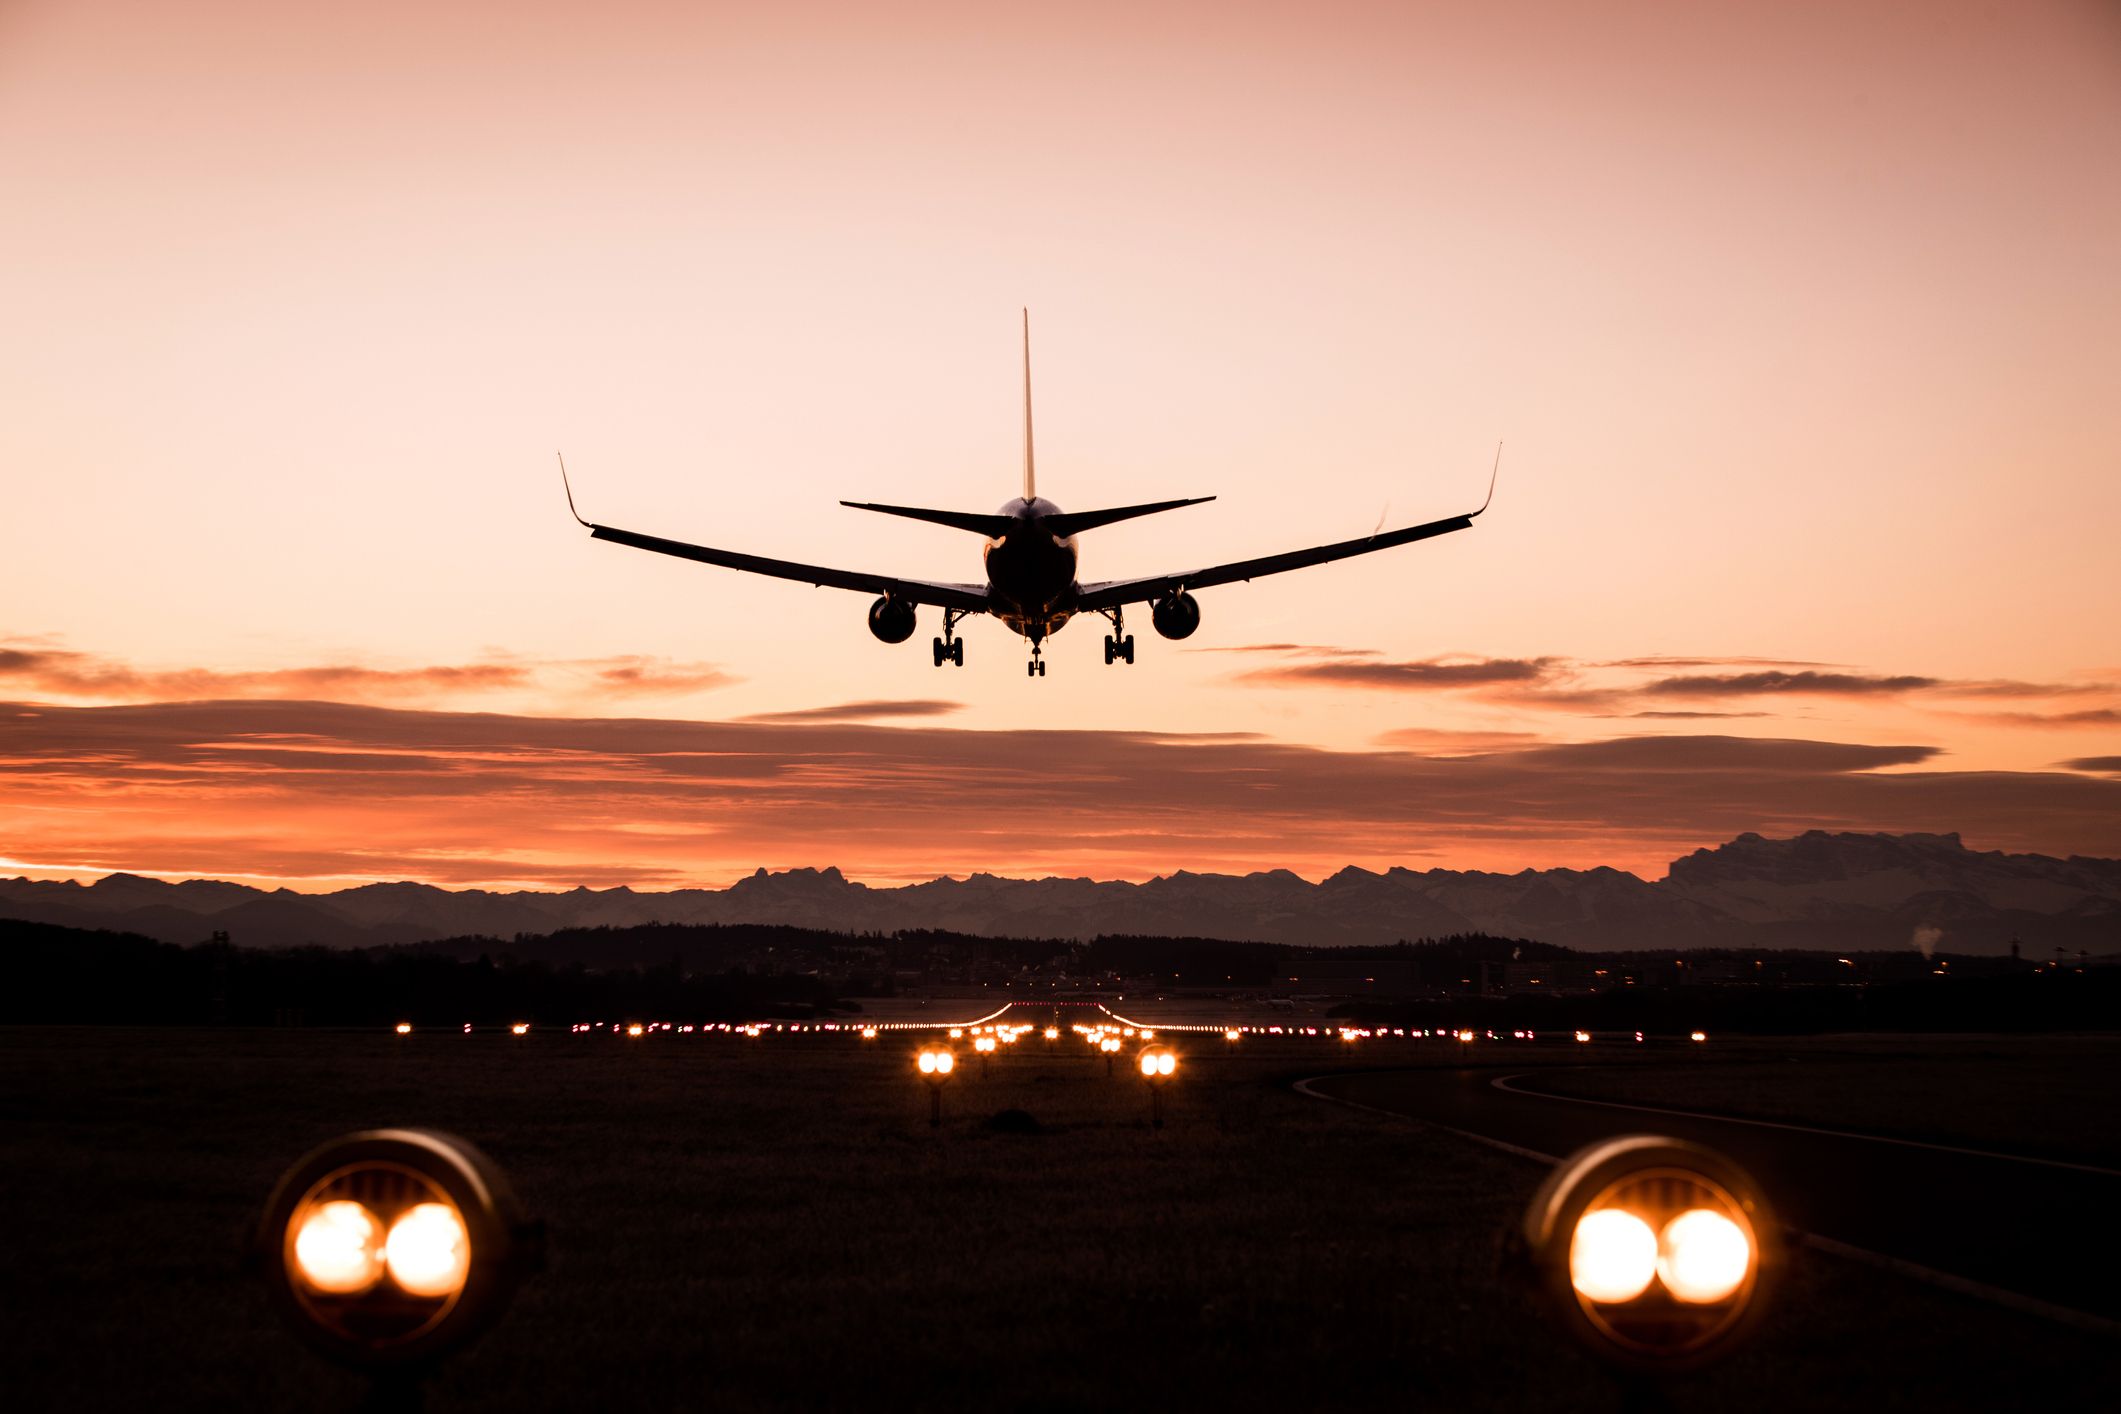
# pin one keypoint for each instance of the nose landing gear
(1036, 668)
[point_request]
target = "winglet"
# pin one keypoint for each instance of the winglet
(1493, 472)
(1030, 480)
(570, 493)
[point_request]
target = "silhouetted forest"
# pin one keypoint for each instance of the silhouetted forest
(699, 973)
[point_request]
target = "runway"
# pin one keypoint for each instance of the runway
(2029, 1232)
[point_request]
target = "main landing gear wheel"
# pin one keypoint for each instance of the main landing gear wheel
(1119, 649)
(951, 650)
(1036, 668)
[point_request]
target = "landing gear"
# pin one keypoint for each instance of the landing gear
(950, 648)
(1036, 668)
(1119, 644)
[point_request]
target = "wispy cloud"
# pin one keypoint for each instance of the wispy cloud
(2064, 721)
(1663, 663)
(64, 674)
(862, 711)
(1684, 716)
(1775, 681)
(1424, 675)
(2110, 764)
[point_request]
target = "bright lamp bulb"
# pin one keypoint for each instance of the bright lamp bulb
(1704, 1257)
(1148, 1065)
(945, 1063)
(338, 1248)
(1165, 1064)
(1613, 1256)
(428, 1250)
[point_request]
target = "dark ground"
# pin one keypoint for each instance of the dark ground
(772, 1225)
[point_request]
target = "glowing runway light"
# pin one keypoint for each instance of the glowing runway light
(428, 1250)
(1703, 1256)
(404, 1028)
(521, 1028)
(868, 1033)
(1613, 1256)
(1583, 1036)
(1230, 1035)
(338, 1248)
(1053, 1033)
(633, 1031)
(1698, 1036)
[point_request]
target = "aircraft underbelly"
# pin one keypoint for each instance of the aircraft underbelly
(1031, 579)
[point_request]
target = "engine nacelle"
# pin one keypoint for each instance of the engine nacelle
(891, 619)
(1176, 615)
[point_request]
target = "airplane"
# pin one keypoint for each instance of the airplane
(1030, 558)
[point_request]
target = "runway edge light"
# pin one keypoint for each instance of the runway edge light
(389, 1249)
(1657, 1254)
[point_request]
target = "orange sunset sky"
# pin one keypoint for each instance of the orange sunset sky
(1797, 321)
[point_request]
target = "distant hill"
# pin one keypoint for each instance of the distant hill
(1818, 890)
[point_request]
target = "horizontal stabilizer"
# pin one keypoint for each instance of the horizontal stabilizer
(993, 527)
(1071, 523)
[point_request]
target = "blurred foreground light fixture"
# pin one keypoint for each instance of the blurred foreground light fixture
(404, 1028)
(1656, 1253)
(868, 1033)
(521, 1028)
(1053, 1033)
(389, 1249)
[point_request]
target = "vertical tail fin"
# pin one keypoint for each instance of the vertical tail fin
(1030, 479)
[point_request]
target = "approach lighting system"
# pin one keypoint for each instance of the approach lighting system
(1157, 1063)
(936, 1065)
(1654, 1252)
(390, 1248)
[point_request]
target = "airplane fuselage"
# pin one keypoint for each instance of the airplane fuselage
(1031, 571)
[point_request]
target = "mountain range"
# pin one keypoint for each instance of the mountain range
(1817, 890)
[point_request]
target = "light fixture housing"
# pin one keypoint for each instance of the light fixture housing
(329, 1272)
(1680, 1280)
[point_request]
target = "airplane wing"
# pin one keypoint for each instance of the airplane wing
(969, 598)
(1110, 594)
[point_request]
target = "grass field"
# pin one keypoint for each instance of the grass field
(772, 1225)
(2047, 1096)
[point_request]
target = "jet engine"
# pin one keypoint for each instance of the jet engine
(892, 619)
(1176, 615)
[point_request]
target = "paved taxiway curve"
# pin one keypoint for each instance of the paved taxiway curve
(2045, 1231)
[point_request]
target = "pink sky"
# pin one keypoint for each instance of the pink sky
(1796, 321)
